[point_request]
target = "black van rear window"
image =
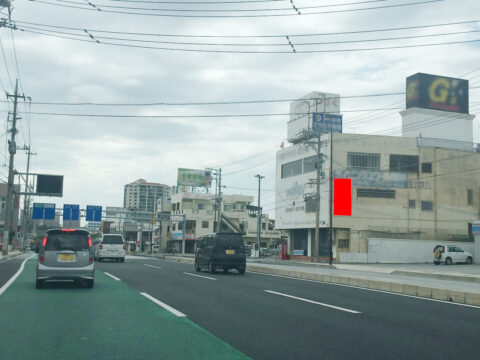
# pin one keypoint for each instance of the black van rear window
(112, 239)
(67, 241)
(229, 241)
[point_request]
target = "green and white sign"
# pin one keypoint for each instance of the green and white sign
(192, 177)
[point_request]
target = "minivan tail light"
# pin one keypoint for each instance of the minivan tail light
(90, 259)
(100, 247)
(68, 230)
(44, 242)
(124, 247)
(89, 242)
(41, 259)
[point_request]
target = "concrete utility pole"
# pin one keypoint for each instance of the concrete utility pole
(12, 149)
(219, 198)
(26, 198)
(331, 199)
(259, 215)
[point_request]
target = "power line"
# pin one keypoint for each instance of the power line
(98, 9)
(6, 65)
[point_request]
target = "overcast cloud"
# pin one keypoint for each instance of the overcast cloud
(99, 155)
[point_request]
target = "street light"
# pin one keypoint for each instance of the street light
(259, 216)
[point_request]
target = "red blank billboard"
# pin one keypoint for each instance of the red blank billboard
(342, 197)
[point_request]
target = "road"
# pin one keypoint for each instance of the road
(261, 316)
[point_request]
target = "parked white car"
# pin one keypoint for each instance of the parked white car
(111, 246)
(450, 254)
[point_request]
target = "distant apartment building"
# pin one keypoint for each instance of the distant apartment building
(421, 186)
(141, 195)
(237, 215)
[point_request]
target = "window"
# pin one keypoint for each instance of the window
(228, 207)
(427, 205)
(174, 227)
(411, 204)
(427, 167)
(376, 193)
(469, 197)
(310, 164)
(264, 226)
(363, 161)
(310, 204)
(204, 224)
(291, 169)
(343, 243)
(239, 206)
(408, 163)
(201, 206)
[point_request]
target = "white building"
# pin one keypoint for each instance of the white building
(413, 188)
(142, 195)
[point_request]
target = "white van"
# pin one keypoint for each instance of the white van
(111, 246)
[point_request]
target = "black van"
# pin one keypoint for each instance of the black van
(221, 251)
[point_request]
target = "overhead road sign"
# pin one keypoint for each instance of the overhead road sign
(71, 212)
(51, 185)
(93, 213)
(43, 211)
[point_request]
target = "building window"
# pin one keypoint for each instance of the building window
(310, 204)
(310, 164)
(343, 243)
(174, 227)
(201, 206)
(239, 206)
(469, 197)
(427, 167)
(376, 193)
(427, 205)
(363, 161)
(204, 224)
(264, 226)
(228, 207)
(404, 163)
(291, 169)
(411, 204)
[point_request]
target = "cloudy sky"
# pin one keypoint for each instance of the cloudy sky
(122, 55)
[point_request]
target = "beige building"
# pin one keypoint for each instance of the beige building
(237, 215)
(402, 188)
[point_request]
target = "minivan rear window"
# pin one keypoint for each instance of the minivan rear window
(66, 241)
(112, 239)
(229, 241)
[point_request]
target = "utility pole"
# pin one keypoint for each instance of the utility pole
(26, 198)
(259, 215)
(331, 198)
(219, 198)
(12, 149)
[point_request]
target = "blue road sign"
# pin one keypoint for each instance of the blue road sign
(71, 212)
(37, 211)
(43, 211)
(49, 211)
(94, 213)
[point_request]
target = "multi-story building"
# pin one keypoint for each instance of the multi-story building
(142, 195)
(404, 188)
(201, 217)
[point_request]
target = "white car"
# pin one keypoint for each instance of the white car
(155, 249)
(111, 246)
(450, 254)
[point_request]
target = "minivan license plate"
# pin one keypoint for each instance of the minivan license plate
(230, 252)
(66, 257)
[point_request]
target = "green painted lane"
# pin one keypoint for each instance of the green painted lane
(110, 321)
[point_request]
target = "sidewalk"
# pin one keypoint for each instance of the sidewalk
(455, 283)
(10, 254)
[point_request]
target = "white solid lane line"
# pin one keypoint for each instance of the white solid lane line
(113, 277)
(200, 276)
(163, 305)
(14, 277)
(158, 267)
(314, 302)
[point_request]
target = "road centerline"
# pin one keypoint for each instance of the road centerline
(163, 305)
(314, 302)
(153, 266)
(112, 276)
(200, 276)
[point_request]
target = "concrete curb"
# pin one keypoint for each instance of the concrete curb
(461, 297)
(459, 277)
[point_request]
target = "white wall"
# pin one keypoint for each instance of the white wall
(406, 251)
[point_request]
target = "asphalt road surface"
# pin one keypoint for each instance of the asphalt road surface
(271, 317)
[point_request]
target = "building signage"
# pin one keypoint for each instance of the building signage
(327, 123)
(192, 177)
(437, 93)
(374, 179)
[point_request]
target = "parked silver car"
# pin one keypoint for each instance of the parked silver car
(66, 254)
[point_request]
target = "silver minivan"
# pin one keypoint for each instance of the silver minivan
(111, 246)
(66, 254)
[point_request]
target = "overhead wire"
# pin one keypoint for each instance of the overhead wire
(100, 9)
